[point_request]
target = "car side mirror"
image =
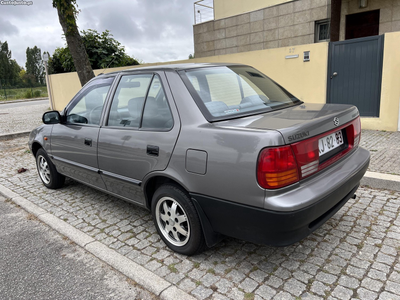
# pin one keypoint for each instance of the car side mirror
(51, 117)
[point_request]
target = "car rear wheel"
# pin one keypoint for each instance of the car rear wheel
(47, 171)
(177, 221)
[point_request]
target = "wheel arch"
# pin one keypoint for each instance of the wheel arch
(35, 147)
(154, 182)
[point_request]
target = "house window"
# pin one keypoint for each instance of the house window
(362, 24)
(322, 31)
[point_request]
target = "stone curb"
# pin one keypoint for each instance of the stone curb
(10, 136)
(22, 100)
(381, 181)
(147, 279)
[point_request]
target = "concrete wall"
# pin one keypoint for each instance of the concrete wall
(228, 8)
(287, 24)
(65, 86)
(390, 92)
(248, 25)
(306, 80)
(389, 19)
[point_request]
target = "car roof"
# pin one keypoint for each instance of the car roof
(174, 67)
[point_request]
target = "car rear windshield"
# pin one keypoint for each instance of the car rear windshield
(226, 92)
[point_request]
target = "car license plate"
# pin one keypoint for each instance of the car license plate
(330, 142)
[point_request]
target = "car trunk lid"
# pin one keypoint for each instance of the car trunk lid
(317, 134)
(299, 122)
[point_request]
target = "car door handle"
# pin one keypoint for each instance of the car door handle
(88, 142)
(152, 150)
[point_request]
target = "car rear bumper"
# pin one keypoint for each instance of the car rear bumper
(281, 228)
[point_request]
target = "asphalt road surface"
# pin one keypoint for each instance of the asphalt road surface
(23, 103)
(38, 263)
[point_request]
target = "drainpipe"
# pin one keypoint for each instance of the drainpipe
(336, 10)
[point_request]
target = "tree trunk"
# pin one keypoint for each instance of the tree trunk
(77, 49)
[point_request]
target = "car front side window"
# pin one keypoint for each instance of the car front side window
(87, 108)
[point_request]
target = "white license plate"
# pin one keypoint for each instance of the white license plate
(330, 142)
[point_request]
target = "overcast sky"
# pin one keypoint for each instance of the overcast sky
(150, 30)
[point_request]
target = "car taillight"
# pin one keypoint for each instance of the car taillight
(277, 168)
(282, 166)
(357, 131)
(307, 155)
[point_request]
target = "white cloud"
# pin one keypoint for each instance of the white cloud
(150, 30)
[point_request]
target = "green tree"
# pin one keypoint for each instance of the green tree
(103, 50)
(9, 68)
(16, 69)
(67, 12)
(34, 65)
(61, 62)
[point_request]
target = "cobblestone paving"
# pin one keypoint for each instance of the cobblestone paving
(384, 147)
(23, 118)
(355, 255)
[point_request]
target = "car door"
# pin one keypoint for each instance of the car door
(139, 134)
(74, 141)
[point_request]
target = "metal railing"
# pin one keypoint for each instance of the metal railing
(203, 11)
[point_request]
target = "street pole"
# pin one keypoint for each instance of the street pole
(45, 60)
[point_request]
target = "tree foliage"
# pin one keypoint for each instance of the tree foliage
(13, 75)
(61, 61)
(9, 68)
(103, 51)
(34, 65)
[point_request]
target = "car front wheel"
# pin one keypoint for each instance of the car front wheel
(47, 171)
(177, 221)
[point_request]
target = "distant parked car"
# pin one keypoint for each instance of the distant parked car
(210, 149)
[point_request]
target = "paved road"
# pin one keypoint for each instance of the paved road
(354, 255)
(23, 104)
(21, 116)
(37, 263)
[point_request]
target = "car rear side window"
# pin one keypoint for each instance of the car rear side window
(128, 101)
(140, 102)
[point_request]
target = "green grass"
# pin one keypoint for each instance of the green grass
(172, 268)
(23, 93)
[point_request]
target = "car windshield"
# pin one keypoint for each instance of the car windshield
(226, 92)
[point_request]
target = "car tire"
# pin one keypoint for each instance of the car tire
(47, 171)
(177, 221)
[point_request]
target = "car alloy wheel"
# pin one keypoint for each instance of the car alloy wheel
(172, 221)
(44, 170)
(176, 220)
(47, 171)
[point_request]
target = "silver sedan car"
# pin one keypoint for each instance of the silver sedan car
(211, 150)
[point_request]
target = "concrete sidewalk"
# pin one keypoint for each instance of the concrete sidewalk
(384, 168)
